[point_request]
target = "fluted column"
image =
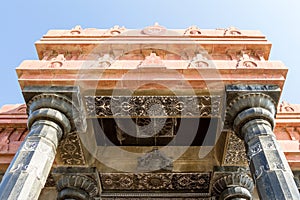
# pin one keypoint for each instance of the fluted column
(252, 118)
(51, 116)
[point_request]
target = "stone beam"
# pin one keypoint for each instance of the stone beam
(52, 115)
(250, 113)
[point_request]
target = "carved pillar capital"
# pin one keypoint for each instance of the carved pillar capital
(234, 186)
(61, 102)
(77, 187)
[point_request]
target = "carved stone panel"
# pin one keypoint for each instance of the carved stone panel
(164, 106)
(234, 152)
(176, 182)
(70, 150)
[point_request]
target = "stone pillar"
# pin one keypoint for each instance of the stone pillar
(251, 115)
(51, 116)
(233, 187)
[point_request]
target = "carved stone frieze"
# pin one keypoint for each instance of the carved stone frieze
(70, 150)
(143, 106)
(197, 182)
(157, 198)
(235, 152)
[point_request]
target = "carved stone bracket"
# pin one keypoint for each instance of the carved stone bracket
(234, 152)
(70, 150)
(160, 106)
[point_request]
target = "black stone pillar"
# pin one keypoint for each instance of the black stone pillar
(51, 116)
(251, 115)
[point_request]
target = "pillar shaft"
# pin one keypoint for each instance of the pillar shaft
(268, 165)
(27, 174)
(50, 117)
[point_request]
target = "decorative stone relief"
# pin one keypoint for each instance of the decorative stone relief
(156, 29)
(105, 61)
(286, 107)
(192, 31)
(235, 152)
(57, 61)
(260, 54)
(233, 31)
(154, 160)
(246, 61)
(76, 30)
(199, 61)
(116, 30)
(141, 106)
(71, 151)
(197, 182)
(148, 128)
(153, 61)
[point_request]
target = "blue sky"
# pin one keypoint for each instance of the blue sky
(24, 22)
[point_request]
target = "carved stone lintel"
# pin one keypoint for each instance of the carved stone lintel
(154, 160)
(163, 106)
(196, 182)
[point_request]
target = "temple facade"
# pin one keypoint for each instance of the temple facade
(154, 113)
